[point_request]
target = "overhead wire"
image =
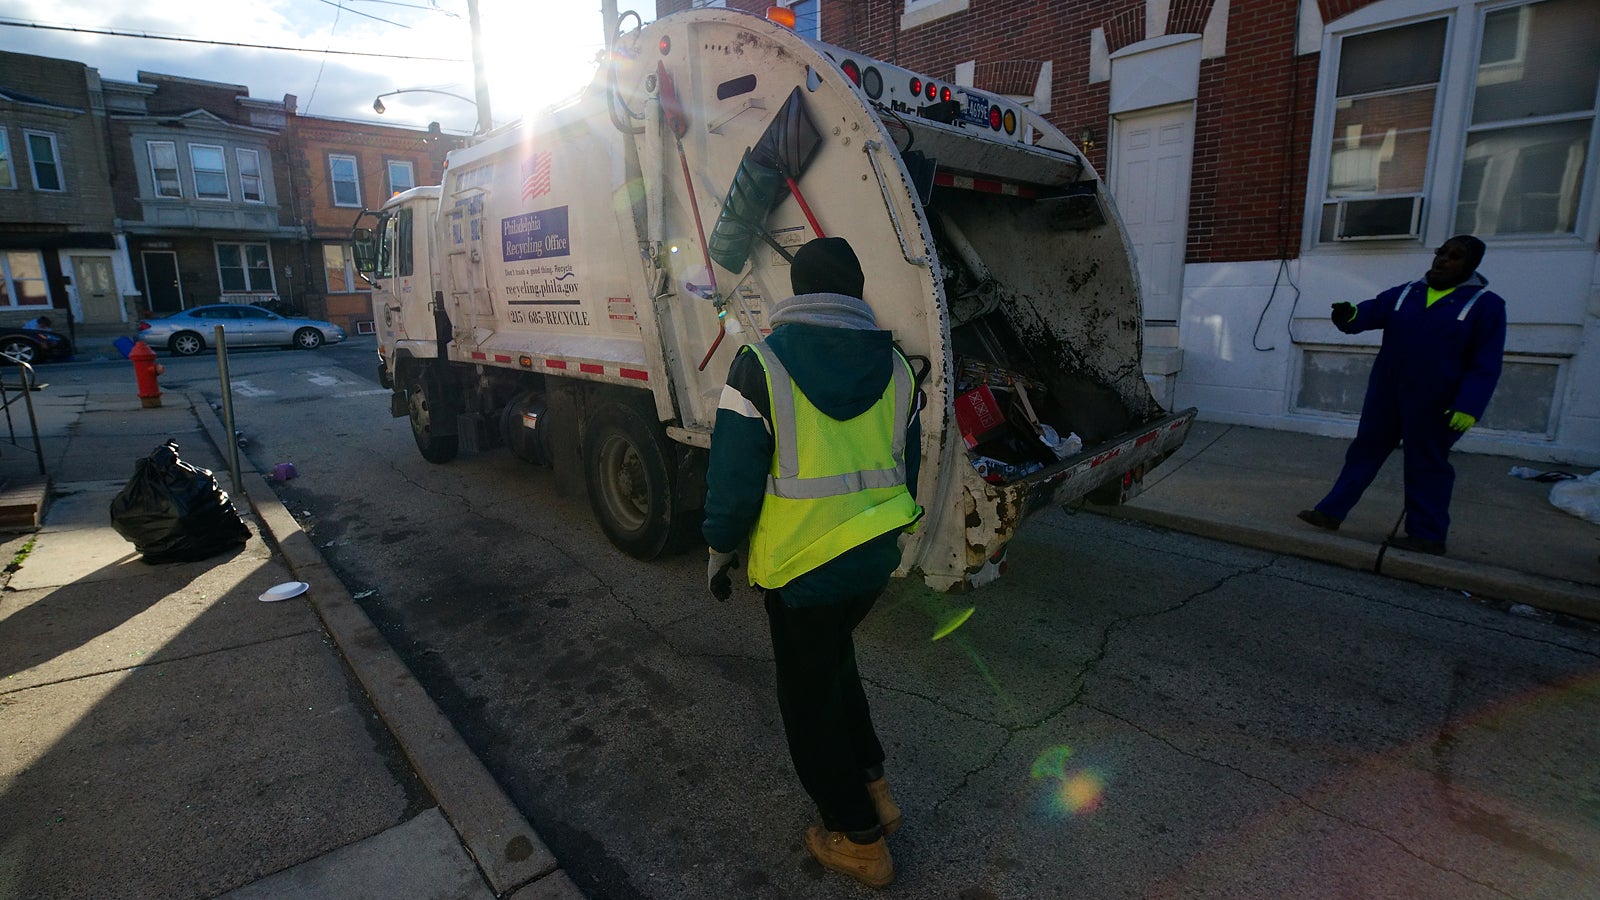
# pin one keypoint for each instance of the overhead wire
(13, 23)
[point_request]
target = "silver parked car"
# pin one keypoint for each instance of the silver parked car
(187, 333)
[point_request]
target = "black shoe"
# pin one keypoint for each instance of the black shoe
(1319, 519)
(1417, 545)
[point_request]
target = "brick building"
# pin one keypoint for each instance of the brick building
(345, 167)
(59, 253)
(203, 191)
(1270, 157)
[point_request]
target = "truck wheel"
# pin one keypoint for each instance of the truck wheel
(630, 483)
(422, 403)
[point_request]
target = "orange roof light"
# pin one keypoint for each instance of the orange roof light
(782, 15)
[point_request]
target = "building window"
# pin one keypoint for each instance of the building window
(1384, 101)
(22, 279)
(346, 181)
(1527, 147)
(338, 262)
(45, 161)
(807, 18)
(7, 178)
(401, 176)
(164, 168)
(249, 175)
(245, 267)
(210, 172)
(1506, 152)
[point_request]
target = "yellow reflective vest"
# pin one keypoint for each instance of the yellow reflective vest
(833, 485)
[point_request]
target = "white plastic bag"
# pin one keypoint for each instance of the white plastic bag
(1580, 496)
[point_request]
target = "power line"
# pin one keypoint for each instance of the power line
(412, 6)
(12, 23)
(341, 6)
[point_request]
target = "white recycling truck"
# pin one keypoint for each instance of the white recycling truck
(578, 285)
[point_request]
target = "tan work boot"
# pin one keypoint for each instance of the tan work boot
(867, 863)
(888, 812)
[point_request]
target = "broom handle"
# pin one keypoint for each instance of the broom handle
(694, 205)
(804, 206)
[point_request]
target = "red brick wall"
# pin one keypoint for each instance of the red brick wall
(312, 141)
(1253, 113)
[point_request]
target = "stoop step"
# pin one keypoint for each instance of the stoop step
(22, 503)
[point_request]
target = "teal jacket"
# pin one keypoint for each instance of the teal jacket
(842, 363)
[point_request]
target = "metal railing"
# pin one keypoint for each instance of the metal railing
(29, 384)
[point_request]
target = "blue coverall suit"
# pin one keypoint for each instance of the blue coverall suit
(1433, 360)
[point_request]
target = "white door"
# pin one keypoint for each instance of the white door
(1152, 153)
(97, 290)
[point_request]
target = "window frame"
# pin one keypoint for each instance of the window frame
(245, 267)
(9, 160)
(334, 181)
(177, 170)
(388, 169)
(1452, 125)
(195, 170)
(8, 281)
(261, 181)
(55, 160)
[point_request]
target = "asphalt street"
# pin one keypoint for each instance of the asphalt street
(1129, 713)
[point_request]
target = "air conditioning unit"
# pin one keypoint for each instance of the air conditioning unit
(1390, 217)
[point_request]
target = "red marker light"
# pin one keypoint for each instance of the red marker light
(932, 91)
(916, 86)
(994, 117)
(665, 45)
(944, 94)
(851, 70)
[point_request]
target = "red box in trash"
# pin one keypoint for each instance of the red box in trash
(978, 416)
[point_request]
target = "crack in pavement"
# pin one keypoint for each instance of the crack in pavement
(1301, 801)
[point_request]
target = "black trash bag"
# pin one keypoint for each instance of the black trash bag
(175, 512)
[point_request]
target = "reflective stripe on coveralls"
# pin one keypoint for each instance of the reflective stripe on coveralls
(1465, 307)
(811, 515)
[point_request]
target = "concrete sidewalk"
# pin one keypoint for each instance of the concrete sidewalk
(1507, 542)
(165, 733)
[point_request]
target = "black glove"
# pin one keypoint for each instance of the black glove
(1344, 313)
(717, 567)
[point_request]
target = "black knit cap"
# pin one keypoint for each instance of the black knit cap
(827, 266)
(1474, 248)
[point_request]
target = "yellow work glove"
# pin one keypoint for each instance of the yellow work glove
(1460, 421)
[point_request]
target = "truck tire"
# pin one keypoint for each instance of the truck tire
(422, 404)
(627, 466)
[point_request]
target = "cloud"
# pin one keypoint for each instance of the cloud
(538, 52)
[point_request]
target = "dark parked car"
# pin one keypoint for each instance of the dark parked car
(32, 345)
(187, 332)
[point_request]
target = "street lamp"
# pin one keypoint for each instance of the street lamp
(378, 107)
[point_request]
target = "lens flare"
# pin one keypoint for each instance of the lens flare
(954, 620)
(1073, 792)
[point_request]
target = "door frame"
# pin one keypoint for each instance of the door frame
(144, 266)
(1120, 123)
(74, 294)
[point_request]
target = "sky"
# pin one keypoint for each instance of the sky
(537, 52)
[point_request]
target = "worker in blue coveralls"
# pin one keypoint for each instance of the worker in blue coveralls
(813, 459)
(1443, 338)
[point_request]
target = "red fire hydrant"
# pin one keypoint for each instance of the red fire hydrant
(145, 370)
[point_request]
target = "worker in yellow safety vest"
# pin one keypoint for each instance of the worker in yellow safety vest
(814, 460)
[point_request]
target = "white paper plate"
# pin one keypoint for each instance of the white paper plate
(284, 591)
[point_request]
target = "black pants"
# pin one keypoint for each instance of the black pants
(825, 713)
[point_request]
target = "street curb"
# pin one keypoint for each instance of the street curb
(504, 845)
(1480, 579)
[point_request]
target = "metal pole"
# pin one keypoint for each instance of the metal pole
(227, 409)
(480, 82)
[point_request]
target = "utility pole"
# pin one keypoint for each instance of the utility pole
(479, 82)
(608, 21)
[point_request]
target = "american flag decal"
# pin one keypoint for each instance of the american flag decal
(535, 176)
